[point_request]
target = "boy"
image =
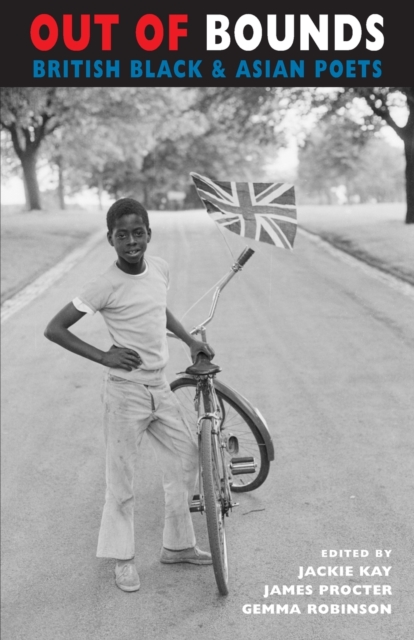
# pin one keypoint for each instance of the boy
(131, 296)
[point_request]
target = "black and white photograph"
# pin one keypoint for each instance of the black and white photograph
(207, 314)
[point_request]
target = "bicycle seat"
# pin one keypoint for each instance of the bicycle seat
(202, 366)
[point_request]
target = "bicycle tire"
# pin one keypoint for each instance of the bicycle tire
(236, 422)
(213, 504)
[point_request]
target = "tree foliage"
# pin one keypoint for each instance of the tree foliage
(30, 115)
(147, 139)
(382, 103)
(339, 155)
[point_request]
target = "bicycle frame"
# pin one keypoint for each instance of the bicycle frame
(251, 411)
(254, 413)
(205, 388)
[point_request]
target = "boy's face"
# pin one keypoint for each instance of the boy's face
(130, 237)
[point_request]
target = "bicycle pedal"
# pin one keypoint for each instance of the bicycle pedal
(243, 465)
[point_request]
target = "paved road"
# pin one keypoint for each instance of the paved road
(324, 350)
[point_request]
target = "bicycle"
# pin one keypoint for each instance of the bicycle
(227, 425)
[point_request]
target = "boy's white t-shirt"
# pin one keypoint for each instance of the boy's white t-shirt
(134, 309)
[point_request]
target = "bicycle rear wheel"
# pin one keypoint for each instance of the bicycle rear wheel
(214, 499)
(234, 422)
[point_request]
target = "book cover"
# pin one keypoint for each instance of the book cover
(106, 100)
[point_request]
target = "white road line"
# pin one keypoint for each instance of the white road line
(405, 288)
(33, 290)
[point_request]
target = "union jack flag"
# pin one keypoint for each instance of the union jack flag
(263, 212)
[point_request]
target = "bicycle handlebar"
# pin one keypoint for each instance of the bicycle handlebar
(245, 255)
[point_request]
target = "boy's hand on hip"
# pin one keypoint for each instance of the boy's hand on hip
(121, 358)
(197, 346)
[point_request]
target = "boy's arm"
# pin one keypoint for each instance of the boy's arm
(196, 346)
(58, 331)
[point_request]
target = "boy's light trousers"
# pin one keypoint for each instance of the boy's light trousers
(129, 410)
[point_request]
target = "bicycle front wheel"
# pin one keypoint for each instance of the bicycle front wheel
(214, 500)
(234, 422)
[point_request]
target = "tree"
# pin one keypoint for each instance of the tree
(339, 153)
(111, 131)
(270, 104)
(381, 102)
(29, 115)
(85, 128)
(146, 141)
(10, 164)
(102, 128)
(329, 156)
(379, 173)
(223, 132)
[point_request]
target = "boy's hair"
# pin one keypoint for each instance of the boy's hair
(123, 207)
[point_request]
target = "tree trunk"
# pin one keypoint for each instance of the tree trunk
(61, 185)
(100, 191)
(28, 160)
(26, 193)
(145, 194)
(409, 177)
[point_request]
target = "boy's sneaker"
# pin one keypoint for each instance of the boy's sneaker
(194, 555)
(126, 576)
